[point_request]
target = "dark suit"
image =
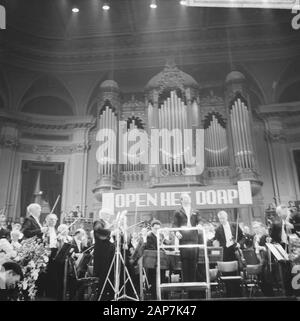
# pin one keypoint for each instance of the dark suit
(276, 231)
(151, 244)
(4, 233)
(295, 220)
(229, 252)
(189, 256)
(31, 228)
(103, 255)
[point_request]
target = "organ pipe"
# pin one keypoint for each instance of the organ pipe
(216, 144)
(242, 141)
(108, 122)
(172, 114)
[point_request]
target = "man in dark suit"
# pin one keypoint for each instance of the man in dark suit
(151, 244)
(228, 235)
(281, 227)
(103, 255)
(31, 226)
(187, 217)
(279, 232)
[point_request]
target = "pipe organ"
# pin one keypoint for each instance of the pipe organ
(241, 134)
(172, 116)
(216, 148)
(171, 107)
(108, 122)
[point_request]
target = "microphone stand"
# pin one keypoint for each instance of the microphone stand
(118, 262)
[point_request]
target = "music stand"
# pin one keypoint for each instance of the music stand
(118, 262)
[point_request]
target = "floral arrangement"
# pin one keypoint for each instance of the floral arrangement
(33, 257)
(7, 252)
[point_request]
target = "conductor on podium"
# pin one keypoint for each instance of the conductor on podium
(187, 217)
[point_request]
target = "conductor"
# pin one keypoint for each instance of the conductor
(187, 217)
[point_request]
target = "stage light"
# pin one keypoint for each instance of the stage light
(153, 4)
(183, 2)
(75, 10)
(105, 6)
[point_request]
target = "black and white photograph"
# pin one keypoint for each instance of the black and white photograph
(149, 153)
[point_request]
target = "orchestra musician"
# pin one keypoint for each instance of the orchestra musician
(187, 217)
(279, 231)
(79, 241)
(281, 227)
(260, 238)
(63, 235)
(50, 238)
(225, 237)
(32, 226)
(103, 254)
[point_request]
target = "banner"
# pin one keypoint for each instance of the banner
(159, 199)
(263, 4)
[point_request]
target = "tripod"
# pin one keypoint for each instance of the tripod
(117, 263)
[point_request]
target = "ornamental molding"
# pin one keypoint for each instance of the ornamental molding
(47, 150)
(279, 111)
(134, 104)
(276, 136)
(10, 142)
(211, 99)
(24, 121)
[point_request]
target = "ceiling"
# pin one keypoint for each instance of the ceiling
(47, 34)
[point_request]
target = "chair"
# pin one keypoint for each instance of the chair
(214, 284)
(253, 271)
(230, 279)
(252, 278)
(84, 286)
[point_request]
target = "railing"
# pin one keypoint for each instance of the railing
(172, 286)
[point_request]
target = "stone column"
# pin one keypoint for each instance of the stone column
(283, 172)
(8, 150)
(77, 173)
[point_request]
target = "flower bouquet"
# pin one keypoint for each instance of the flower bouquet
(33, 257)
(7, 252)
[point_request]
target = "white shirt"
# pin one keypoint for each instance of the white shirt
(284, 237)
(78, 243)
(52, 237)
(188, 212)
(228, 234)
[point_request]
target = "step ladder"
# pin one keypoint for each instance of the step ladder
(183, 286)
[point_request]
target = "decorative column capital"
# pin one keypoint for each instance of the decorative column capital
(10, 142)
(275, 130)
